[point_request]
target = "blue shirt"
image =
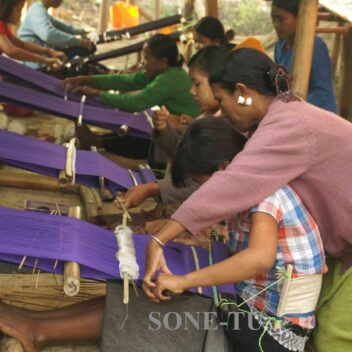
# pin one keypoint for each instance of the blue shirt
(40, 28)
(320, 90)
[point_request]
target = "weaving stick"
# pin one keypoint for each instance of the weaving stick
(72, 270)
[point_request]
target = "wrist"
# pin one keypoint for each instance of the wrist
(152, 190)
(186, 282)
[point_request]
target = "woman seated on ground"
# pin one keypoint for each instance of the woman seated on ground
(162, 82)
(40, 28)
(277, 232)
(293, 142)
(284, 14)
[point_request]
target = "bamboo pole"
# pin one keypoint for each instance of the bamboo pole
(34, 182)
(156, 9)
(304, 46)
(212, 8)
(345, 103)
(327, 16)
(337, 30)
(335, 54)
(104, 16)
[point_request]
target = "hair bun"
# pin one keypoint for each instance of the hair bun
(279, 78)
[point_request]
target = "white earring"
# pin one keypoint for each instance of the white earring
(241, 100)
(248, 101)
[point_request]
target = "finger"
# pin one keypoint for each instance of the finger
(149, 291)
(160, 296)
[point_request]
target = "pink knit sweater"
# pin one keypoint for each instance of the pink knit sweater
(295, 143)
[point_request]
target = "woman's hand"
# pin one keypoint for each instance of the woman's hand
(53, 63)
(160, 118)
(57, 55)
(197, 241)
(171, 283)
(78, 81)
(86, 90)
(138, 194)
(154, 261)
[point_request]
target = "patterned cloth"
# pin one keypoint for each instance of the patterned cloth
(299, 244)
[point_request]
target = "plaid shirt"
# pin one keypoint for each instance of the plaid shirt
(299, 244)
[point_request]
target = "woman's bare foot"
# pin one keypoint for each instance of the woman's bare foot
(19, 327)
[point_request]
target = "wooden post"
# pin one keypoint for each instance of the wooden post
(345, 102)
(304, 46)
(156, 9)
(212, 8)
(104, 16)
(335, 54)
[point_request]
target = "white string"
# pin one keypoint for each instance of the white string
(126, 254)
(71, 160)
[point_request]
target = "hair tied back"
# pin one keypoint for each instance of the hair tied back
(280, 79)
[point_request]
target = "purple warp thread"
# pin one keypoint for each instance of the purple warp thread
(49, 237)
(49, 159)
(39, 80)
(103, 117)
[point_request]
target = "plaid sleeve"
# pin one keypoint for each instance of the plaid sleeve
(271, 205)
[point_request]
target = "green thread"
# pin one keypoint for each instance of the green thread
(214, 288)
(224, 302)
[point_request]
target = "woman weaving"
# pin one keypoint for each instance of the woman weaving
(36, 329)
(163, 82)
(291, 142)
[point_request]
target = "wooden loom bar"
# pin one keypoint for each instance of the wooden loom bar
(72, 270)
(35, 182)
(304, 45)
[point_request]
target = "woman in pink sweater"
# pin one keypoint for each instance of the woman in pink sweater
(291, 142)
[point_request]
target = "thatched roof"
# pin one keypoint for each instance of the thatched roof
(342, 8)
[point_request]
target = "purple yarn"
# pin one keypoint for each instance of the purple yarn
(49, 159)
(50, 238)
(103, 117)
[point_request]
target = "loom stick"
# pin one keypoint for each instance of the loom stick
(32, 181)
(72, 269)
(126, 291)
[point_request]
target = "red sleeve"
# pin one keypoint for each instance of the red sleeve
(4, 29)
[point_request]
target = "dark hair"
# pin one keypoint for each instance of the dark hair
(162, 46)
(209, 59)
(257, 71)
(211, 28)
(290, 6)
(6, 7)
(206, 144)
